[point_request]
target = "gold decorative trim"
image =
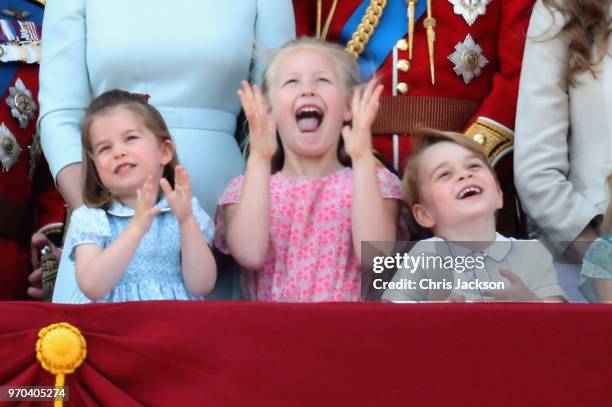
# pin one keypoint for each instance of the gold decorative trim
(366, 27)
(322, 34)
(495, 139)
(52, 229)
(39, 2)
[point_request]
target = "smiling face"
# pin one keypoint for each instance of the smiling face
(125, 152)
(309, 102)
(455, 187)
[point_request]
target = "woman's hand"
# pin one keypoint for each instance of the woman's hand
(262, 127)
(179, 199)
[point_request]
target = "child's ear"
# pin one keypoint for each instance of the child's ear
(167, 151)
(422, 216)
(500, 197)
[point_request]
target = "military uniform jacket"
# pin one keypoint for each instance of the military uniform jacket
(28, 198)
(477, 57)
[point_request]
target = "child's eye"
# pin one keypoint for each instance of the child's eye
(443, 174)
(103, 150)
(131, 137)
(475, 165)
(322, 79)
(290, 81)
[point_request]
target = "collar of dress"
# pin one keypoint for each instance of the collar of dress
(119, 209)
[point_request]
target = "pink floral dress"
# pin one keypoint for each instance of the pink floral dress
(311, 254)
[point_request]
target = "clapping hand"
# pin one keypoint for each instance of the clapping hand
(364, 107)
(145, 209)
(262, 127)
(179, 198)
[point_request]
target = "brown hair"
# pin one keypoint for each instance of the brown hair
(95, 194)
(586, 23)
(606, 226)
(347, 70)
(425, 139)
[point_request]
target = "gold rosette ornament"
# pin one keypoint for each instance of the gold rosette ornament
(60, 349)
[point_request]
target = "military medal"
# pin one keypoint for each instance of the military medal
(9, 148)
(15, 13)
(22, 104)
(468, 59)
(470, 9)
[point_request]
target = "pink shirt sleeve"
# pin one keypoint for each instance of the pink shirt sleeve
(390, 185)
(231, 195)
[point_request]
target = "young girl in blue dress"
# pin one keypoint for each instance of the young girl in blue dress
(129, 241)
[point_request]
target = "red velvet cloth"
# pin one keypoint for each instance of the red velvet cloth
(367, 354)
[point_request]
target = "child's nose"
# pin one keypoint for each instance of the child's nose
(307, 89)
(464, 175)
(119, 152)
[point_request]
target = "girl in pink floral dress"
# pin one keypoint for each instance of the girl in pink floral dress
(296, 219)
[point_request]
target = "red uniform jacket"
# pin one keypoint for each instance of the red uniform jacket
(28, 198)
(500, 32)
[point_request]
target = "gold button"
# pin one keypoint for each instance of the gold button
(403, 65)
(480, 138)
(8, 146)
(402, 45)
(402, 88)
(470, 59)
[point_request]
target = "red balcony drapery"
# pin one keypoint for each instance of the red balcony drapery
(244, 353)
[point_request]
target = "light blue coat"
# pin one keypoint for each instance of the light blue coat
(189, 56)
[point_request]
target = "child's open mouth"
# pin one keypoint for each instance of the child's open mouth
(124, 167)
(468, 192)
(309, 118)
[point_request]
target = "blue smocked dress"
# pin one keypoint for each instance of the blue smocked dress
(155, 270)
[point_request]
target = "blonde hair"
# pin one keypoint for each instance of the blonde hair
(425, 139)
(95, 194)
(347, 70)
(606, 226)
